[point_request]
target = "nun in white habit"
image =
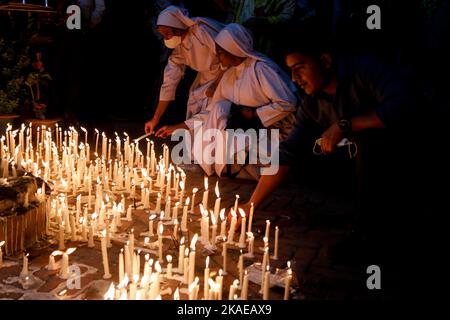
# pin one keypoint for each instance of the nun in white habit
(252, 80)
(192, 41)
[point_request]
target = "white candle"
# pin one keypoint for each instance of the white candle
(180, 256)
(51, 260)
(205, 194)
(160, 243)
(251, 241)
(264, 265)
(158, 204)
(91, 235)
(24, 271)
(236, 202)
(150, 224)
(233, 289)
(121, 266)
(61, 236)
(131, 240)
(287, 283)
(223, 225)
(241, 267)
(275, 252)
(167, 207)
(206, 279)
(184, 218)
(64, 272)
(217, 203)
(214, 229)
(267, 229)
(242, 236)
(106, 274)
(244, 292)
(186, 266)
(169, 266)
(219, 281)
(127, 260)
(224, 255)
(194, 191)
(175, 229)
(232, 227)
(192, 259)
(175, 212)
(250, 220)
(266, 284)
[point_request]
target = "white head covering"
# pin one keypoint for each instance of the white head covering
(177, 17)
(238, 41)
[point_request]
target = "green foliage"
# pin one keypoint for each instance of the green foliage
(17, 77)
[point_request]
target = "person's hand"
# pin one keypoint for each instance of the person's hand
(330, 138)
(150, 126)
(165, 131)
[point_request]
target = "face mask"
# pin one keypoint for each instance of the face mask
(173, 42)
(352, 147)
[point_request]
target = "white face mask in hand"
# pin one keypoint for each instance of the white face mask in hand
(344, 142)
(173, 42)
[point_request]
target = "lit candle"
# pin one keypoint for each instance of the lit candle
(206, 279)
(160, 243)
(127, 260)
(51, 260)
(192, 259)
(158, 204)
(96, 141)
(175, 212)
(169, 266)
(232, 227)
(224, 255)
(180, 256)
(167, 207)
(236, 202)
(24, 271)
(287, 282)
(233, 289)
(266, 284)
(244, 292)
(131, 240)
(223, 225)
(267, 229)
(275, 252)
(205, 194)
(217, 203)
(150, 224)
(264, 265)
(219, 281)
(242, 236)
(251, 240)
(214, 229)
(184, 218)
(250, 220)
(193, 289)
(194, 191)
(106, 274)
(175, 229)
(91, 235)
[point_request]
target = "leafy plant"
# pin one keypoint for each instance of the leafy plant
(18, 75)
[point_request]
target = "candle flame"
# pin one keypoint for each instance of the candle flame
(176, 295)
(236, 283)
(63, 292)
(57, 253)
(161, 229)
(2, 243)
(135, 278)
(250, 235)
(217, 189)
(104, 233)
(207, 261)
(212, 284)
(186, 252)
(181, 185)
(70, 250)
(265, 239)
(242, 213)
(206, 183)
(146, 240)
(147, 256)
(124, 282)
(289, 264)
(233, 213)
(222, 214)
(169, 258)
(194, 241)
(188, 200)
(220, 272)
(152, 217)
(194, 190)
(213, 218)
(290, 272)
(267, 268)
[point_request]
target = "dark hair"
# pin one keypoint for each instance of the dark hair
(309, 40)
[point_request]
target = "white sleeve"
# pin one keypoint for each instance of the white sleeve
(173, 72)
(282, 99)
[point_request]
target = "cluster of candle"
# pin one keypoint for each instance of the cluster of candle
(66, 164)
